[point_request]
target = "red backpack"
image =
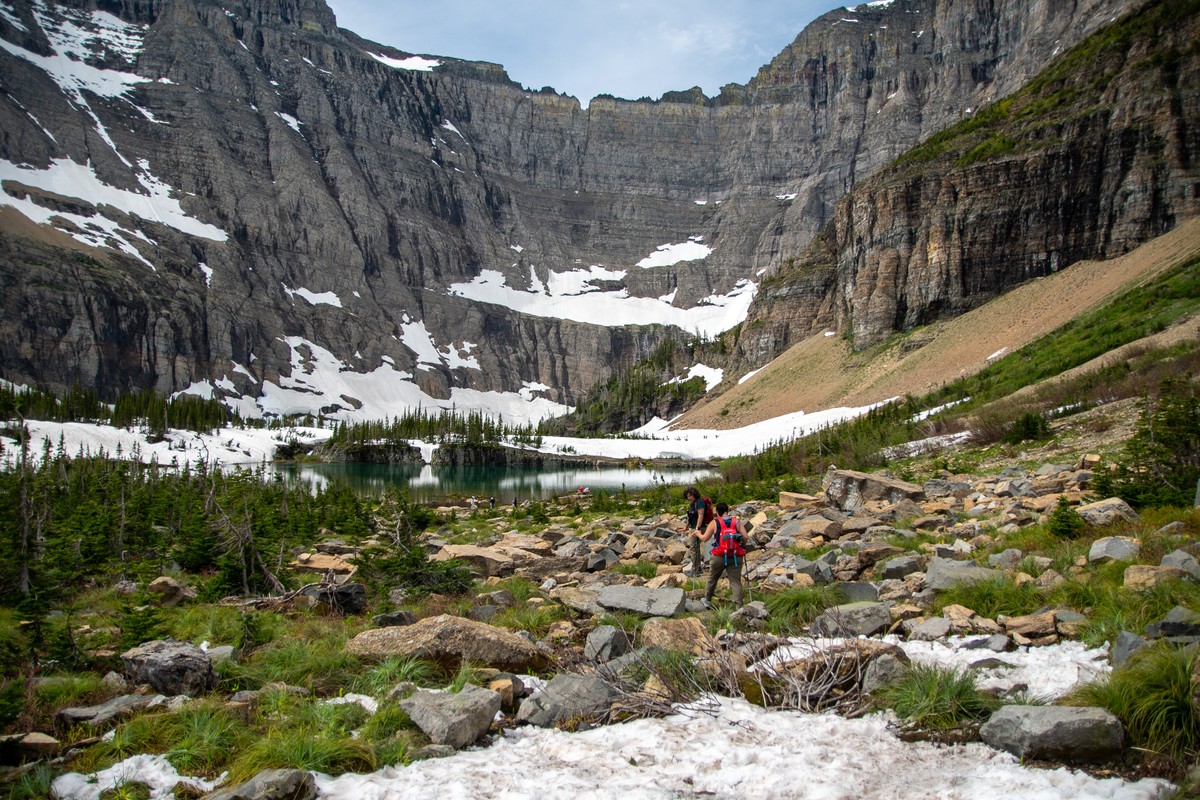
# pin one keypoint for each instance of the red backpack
(728, 541)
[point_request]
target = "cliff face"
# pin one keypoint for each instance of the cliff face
(245, 199)
(1098, 154)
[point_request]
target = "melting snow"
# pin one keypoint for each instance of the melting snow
(418, 339)
(997, 354)
(291, 121)
(12, 18)
(711, 375)
(748, 375)
(669, 254)
(314, 298)
(412, 62)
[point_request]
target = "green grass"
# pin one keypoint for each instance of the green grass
(321, 665)
(931, 697)
(992, 598)
(214, 624)
(466, 675)
(203, 737)
(379, 679)
(644, 569)
(33, 785)
(535, 619)
(59, 691)
(1152, 696)
(300, 748)
(792, 609)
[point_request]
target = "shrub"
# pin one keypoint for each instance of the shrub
(1030, 426)
(1152, 696)
(1064, 522)
(932, 697)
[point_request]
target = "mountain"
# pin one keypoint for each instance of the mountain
(243, 200)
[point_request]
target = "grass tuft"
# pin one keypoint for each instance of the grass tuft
(931, 697)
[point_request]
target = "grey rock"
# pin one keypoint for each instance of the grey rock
(942, 573)
(1106, 512)
(859, 591)
(930, 629)
(601, 560)
(456, 720)
(883, 671)
(1179, 621)
(606, 643)
(394, 618)
(819, 571)
(1114, 548)
(100, 715)
(1182, 559)
(348, 598)
(567, 695)
(939, 487)
(170, 667)
(853, 619)
(1007, 559)
(900, 566)
(664, 602)
(997, 643)
(1078, 735)
(752, 615)
(271, 784)
(222, 652)
(1125, 645)
(434, 751)
(849, 490)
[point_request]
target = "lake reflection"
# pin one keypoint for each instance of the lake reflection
(429, 483)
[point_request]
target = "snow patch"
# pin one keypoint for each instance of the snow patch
(711, 375)
(669, 254)
(314, 298)
(416, 63)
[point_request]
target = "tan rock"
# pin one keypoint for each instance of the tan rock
(485, 561)
(1037, 628)
(562, 630)
(504, 688)
(686, 634)
(320, 562)
(448, 641)
(792, 500)
(674, 580)
(1049, 579)
(1144, 576)
(960, 616)
(802, 580)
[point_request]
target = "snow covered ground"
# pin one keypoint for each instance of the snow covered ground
(722, 747)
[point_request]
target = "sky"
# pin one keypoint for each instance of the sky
(629, 49)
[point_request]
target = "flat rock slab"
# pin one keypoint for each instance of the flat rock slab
(1056, 733)
(115, 709)
(666, 602)
(942, 573)
(1114, 548)
(272, 784)
(1108, 511)
(849, 490)
(450, 640)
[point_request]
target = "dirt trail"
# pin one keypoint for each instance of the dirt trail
(822, 372)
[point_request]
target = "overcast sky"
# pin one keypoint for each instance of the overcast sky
(627, 48)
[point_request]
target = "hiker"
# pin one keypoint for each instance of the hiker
(728, 553)
(492, 501)
(699, 514)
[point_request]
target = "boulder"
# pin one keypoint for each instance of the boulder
(585, 601)
(853, 619)
(1106, 512)
(171, 591)
(686, 634)
(859, 591)
(606, 643)
(448, 641)
(930, 629)
(1114, 548)
(394, 619)
(110, 711)
(1038, 629)
(567, 696)
(900, 566)
(483, 561)
(321, 562)
(1146, 576)
(1125, 645)
(170, 667)
(1007, 559)
(883, 671)
(849, 490)
(942, 573)
(456, 720)
(348, 598)
(1179, 621)
(271, 784)
(666, 602)
(1058, 733)
(1181, 559)
(819, 571)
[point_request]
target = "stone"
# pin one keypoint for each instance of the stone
(853, 619)
(1179, 621)
(567, 696)
(392, 619)
(348, 598)
(484, 561)
(1144, 576)
(752, 615)
(1124, 646)
(665, 602)
(1038, 628)
(939, 487)
(448, 641)
(606, 643)
(819, 571)
(848, 490)
(222, 652)
(271, 784)
(1007, 559)
(170, 667)
(100, 715)
(585, 601)
(900, 566)
(942, 573)
(1181, 559)
(1049, 580)
(457, 719)
(859, 591)
(1106, 512)
(171, 591)
(1113, 548)
(1058, 733)
(685, 634)
(793, 500)
(322, 562)
(930, 629)
(997, 643)
(882, 672)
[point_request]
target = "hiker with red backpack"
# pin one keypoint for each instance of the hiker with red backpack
(728, 553)
(699, 514)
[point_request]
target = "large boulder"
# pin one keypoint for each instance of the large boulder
(850, 491)
(1108, 511)
(170, 667)
(448, 641)
(456, 720)
(1114, 548)
(484, 561)
(567, 696)
(665, 602)
(1055, 733)
(942, 573)
(853, 619)
(271, 784)
(348, 598)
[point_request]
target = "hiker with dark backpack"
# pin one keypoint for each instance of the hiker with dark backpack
(699, 514)
(728, 553)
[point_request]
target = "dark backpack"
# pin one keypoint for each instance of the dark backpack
(709, 515)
